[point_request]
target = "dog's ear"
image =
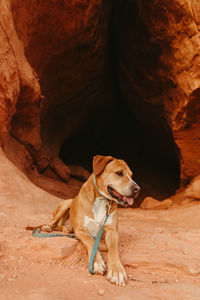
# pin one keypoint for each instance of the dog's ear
(100, 162)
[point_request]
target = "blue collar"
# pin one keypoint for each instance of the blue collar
(95, 184)
(97, 189)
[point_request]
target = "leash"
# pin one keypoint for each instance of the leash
(97, 240)
(96, 246)
(37, 233)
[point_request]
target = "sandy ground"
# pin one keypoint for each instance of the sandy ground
(160, 250)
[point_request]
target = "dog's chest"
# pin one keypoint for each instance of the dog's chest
(99, 213)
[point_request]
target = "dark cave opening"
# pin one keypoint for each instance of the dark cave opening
(131, 129)
(97, 99)
(152, 155)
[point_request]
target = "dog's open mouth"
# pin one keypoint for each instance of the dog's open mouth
(123, 200)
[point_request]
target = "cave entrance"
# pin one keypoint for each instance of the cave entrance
(150, 151)
(130, 126)
(99, 91)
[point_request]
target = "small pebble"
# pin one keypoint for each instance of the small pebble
(101, 292)
(18, 247)
(2, 276)
(11, 279)
(154, 273)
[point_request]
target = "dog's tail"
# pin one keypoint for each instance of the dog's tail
(60, 216)
(34, 227)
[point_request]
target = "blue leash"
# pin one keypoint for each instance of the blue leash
(96, 246)
(37, 233)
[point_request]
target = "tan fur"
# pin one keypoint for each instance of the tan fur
(82, 206)
(100, 162)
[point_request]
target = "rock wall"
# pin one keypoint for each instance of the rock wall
(64, 44)
(127, 70)
(158, 73)
(20, 90)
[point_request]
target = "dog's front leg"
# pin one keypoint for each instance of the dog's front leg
(84, 236)
(116, 272)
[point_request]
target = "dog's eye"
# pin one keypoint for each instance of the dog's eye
(119, 173)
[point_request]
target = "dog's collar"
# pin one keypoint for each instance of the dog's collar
(97, 189)
(95, 183)
(108, 202)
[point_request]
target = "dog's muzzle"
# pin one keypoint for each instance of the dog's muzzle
(135, 190)
(122, 199)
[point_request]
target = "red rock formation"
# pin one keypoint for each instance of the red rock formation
(159, 68)
(64, 44)
(117, 77)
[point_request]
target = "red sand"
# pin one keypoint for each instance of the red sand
(160, 250)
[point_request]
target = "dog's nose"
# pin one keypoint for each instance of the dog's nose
(135, 189)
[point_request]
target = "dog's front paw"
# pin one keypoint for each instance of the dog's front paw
(46, 228)
(117, 274)
(99, 265)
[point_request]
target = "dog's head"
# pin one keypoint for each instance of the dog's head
(114, 179)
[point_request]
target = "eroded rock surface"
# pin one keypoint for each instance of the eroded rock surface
(158, 55)
(70, 64)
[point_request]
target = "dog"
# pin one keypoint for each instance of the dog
(110, 184)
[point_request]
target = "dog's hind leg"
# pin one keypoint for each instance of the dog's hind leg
(63, 224)
(60, 217)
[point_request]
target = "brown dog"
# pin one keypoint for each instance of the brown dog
(110, 184)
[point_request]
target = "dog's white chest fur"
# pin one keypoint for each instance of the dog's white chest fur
(99, 212)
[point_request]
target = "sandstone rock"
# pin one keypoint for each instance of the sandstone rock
(154, 67)
(151, 203)
(58, 247)
(165, 204)
(193, 191)
(72, 27)
(101, 292)
(167, 33)
(11, 279)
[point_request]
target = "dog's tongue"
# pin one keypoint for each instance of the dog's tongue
(129, 200)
